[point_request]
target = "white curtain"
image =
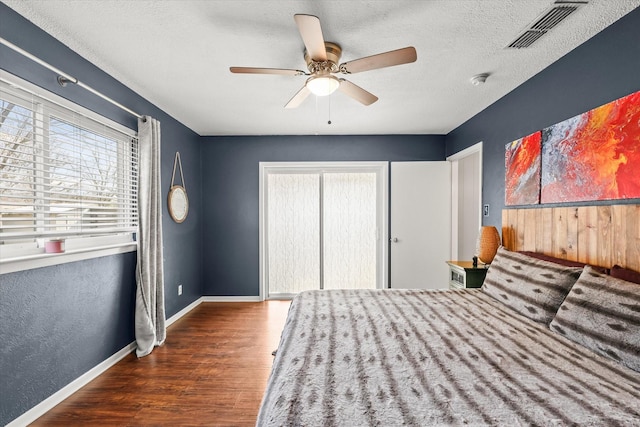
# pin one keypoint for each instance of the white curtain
(342, 227)
(150, 326)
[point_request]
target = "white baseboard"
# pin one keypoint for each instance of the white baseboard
(231, 299)
(43, 407)
(46, 405)
(182, 312)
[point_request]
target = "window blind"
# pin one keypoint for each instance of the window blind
(64, 171)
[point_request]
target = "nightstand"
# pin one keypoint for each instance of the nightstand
(462, 274)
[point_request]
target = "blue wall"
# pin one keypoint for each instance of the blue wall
(230, 198)
(604, 68)
(58, 322)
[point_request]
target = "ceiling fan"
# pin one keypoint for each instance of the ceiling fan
(322, 60)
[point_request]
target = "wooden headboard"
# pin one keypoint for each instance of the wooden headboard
(597, 235)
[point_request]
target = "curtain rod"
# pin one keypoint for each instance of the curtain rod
(64, 78)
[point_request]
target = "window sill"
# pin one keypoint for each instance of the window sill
(28, 262)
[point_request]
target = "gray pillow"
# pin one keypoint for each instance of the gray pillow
(602, 313)
(532, 287)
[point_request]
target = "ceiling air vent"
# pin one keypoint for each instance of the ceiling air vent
(551, 17)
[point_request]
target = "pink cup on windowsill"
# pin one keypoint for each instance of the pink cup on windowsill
(55, 246)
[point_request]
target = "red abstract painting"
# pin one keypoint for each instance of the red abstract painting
(522, 165)
(593, 156)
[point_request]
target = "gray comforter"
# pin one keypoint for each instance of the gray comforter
(406, 357)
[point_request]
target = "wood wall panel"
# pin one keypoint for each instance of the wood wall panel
(529, 233)
(605, 235)
(587, 233)
(559, 232)
(598, 235)
(545, 231)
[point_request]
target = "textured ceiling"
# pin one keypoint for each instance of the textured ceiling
(177, 53)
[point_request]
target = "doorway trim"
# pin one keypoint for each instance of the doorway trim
(455, 186)
(382, 168)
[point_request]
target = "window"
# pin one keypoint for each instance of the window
(323, 225)
(65, 174)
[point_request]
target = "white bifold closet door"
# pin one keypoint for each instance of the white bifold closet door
(322, 230)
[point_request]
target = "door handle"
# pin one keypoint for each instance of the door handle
(394, 240)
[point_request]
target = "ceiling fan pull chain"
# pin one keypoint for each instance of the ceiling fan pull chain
(317, 117)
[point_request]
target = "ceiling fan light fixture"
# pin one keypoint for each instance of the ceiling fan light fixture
(323, 85)
(323, 60)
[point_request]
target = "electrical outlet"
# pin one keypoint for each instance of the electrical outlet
(179, 289)
(485, 210)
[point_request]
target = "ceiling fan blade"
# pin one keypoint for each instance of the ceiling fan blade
(356, 92)
(311, 32)
(252, 70)
(297, 99)
(381, 60)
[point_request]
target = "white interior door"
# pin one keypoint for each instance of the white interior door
(420, 224)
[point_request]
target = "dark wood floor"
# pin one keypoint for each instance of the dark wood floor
(212, 371)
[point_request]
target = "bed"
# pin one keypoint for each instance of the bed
(540, 344)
